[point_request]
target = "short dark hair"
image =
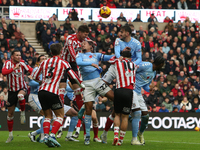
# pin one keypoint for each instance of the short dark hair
(55, 49)
(83, 28)
(13, 52)
(159, 60)
(38, 59)
(127, 29)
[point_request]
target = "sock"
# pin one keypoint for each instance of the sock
(62, 93)
(134, 138)
(109, 123)
(116, 131)
(39, 131)
(95, 130)
(22, 101)
(73, 123)
(10, 123)
(46, 125)
(144, 123)
(69, 134)
(56, 125)
(122, 134)
(135, 122)
(78, 123)
(10, 133)
(88, 119)
(79, 101)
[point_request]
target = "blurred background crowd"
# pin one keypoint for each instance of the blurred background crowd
(176, 88)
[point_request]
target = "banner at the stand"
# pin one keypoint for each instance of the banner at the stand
(31, 13)
(160, 14)
(194, 15)
(157, 121)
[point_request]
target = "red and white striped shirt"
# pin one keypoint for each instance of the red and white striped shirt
(71, 48)
(125, 73)
(52, 71)
(15, 77)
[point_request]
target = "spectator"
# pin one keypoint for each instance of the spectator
(18, 34)
(165, 48)
(46, 39)
(103, 26)
(51, 26)
(175, 90)
(106, 43)
(57, 4)
(102, 35)
(6, 32)
(74, 15)
(183, 109)
(54, 41)
(13, 42)
(190, 67)
(4, 93)
(18, 47)
(27, 56)
(67, 24)
(165, 88)
(146, 57)
(70, 3)
(163, 109)
(197, 83)
(61, 31)
(39, 25)
(149, 44)
(121, 17)
(195, 104)
(152, 24)
(137, 18)
(176, 104)
(111, 5)
(167, 104)
(152, 99)
(172, 78)
(39, 3)
(22, 40)
(99, 43)
(152, 17)
(3, 41)
(72, 29)
(92, 4)
(29, 3)
(111, 25)
(186, 103)
(182, 5)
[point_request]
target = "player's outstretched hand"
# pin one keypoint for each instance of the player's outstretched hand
(30, 77)
(17, 66)
(95, 65)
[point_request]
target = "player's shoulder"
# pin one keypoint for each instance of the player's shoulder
(147, 65)
(135, 41)
(118, 41)
(7, 61)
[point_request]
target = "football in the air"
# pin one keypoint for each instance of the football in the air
(196, 128)
(104, 12)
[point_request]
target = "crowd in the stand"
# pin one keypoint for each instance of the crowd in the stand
(142, 4)
(176, 86)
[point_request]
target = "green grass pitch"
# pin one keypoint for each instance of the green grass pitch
(155, 140)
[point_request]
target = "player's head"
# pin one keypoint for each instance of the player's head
(41, 58)
(158, 62)
(16, 56)
(55, 49)
(83, 32)
(87, 46)
(125, 32)
(126, 53)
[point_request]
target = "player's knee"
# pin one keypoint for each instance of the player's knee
(137, 114)
(94, 119)
(20, 97)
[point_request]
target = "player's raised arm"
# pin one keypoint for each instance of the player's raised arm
(27, 67)
(103, 57)
(71, 49)
(138, 54)
(117, 48)
(80, 61)
(37, 73)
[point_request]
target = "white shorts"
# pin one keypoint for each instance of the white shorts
(93, 86)
(34, 102)
(66, 109)
(110, 74)
(138, 102)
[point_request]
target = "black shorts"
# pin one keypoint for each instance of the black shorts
(49, 100)
(123, 100)
(12, 98)
(67, 101)
(65, 76)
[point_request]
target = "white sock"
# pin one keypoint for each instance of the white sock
(134, 138)
(60, 129)
(11, 133)
(42, 136)
(34, 133)
(52, 135)
(105, 132)
(69, 134)
(78, 129)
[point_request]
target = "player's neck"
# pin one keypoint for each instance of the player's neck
(14, 62)
(78, 37)
(127, 39)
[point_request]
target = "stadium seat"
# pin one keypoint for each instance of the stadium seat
(146, 31)
(157, 108)
(160, 32)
